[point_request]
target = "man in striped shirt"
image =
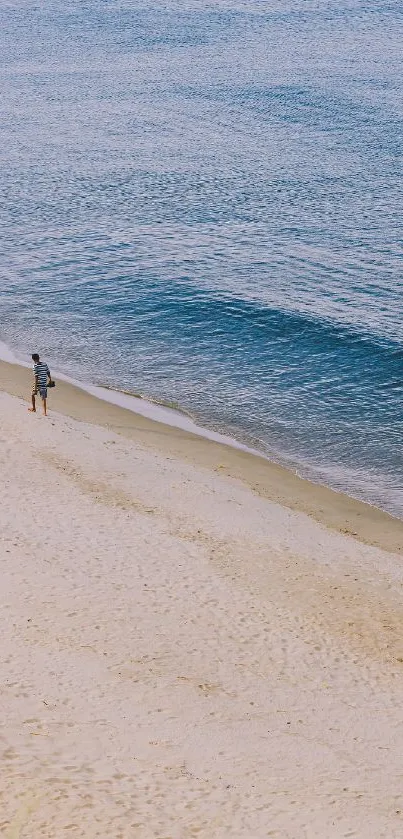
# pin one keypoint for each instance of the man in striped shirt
(41, 379)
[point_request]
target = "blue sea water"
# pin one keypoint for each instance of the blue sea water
(202, 202)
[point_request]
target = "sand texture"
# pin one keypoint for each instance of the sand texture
(182, 657)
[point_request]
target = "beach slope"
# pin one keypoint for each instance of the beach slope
(182, 656)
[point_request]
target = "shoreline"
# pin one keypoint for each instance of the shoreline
(138, 404)
(178, 417)
(337, 511)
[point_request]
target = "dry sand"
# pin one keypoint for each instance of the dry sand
(181, 656)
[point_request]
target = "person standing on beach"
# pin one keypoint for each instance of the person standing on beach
(42, 378)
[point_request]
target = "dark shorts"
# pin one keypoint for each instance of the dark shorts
(41, 389)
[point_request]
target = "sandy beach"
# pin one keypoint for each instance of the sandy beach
(196, 643)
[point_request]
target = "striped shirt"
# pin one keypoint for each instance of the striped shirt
(42, 373)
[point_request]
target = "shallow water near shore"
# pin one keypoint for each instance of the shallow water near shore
(202, 204)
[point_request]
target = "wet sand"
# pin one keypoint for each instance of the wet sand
(336, 510)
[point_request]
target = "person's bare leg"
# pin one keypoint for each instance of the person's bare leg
(45, 412)
(33, 409)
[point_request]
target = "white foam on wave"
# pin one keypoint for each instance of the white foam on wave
(7, 355)
(151, 410)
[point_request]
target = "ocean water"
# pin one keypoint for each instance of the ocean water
(202, 202)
